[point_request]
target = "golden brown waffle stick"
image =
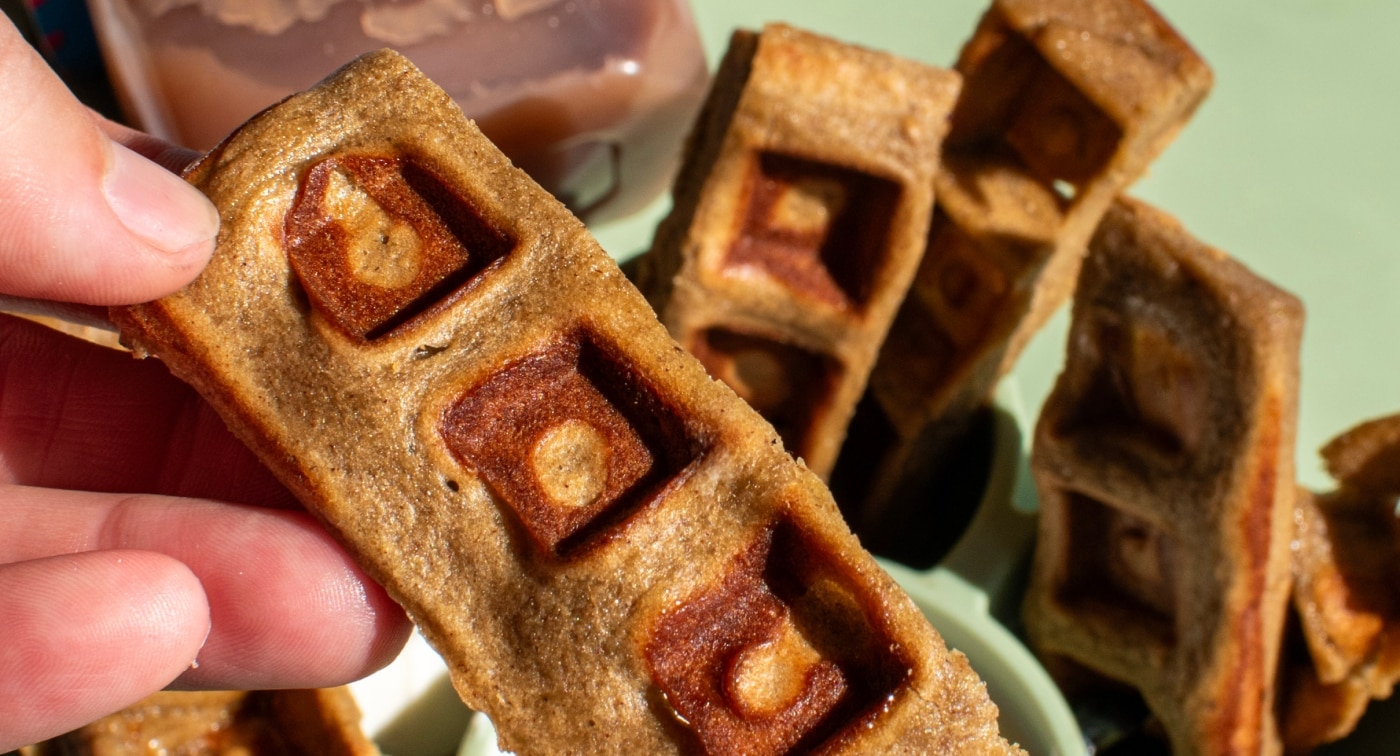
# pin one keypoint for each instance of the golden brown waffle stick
(1164, 463)
(1347, 587)
(322, 721)
(612, 552)
(799, 214)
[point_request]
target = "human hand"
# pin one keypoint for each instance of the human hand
(141, 546)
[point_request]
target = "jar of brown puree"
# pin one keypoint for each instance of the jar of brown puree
(591, 97)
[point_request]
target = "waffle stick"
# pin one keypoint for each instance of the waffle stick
(1346, 592)
(799, 214)
(1164, 463)
(1064, 105)
(611, 551)
(320, 722)
(990, 236)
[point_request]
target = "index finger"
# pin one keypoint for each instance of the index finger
(75, 415)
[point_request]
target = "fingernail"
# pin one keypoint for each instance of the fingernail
(157, 205)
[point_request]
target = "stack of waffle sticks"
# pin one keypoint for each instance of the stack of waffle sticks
(853, 276)
(1164, 458)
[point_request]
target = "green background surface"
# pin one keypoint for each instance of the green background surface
(1289, 166)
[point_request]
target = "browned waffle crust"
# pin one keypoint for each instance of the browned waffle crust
(612, 552)
(1347, 586)
(800, 212)
(1164, 463)
(321, 722)
(1064, 104)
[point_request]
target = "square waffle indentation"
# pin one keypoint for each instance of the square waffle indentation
(378, 241)
(820, 230)
(1150, 388)
(1015, 100)
(959, 283)
(1060, 133)
(1119, 565)
(782, 654)
(788, 385)
(967, 295)
(572, 439)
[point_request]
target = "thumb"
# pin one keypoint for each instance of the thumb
(84, 218)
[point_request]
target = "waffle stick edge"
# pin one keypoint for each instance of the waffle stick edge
(610, 550)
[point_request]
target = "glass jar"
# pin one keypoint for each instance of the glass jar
(591, 97)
